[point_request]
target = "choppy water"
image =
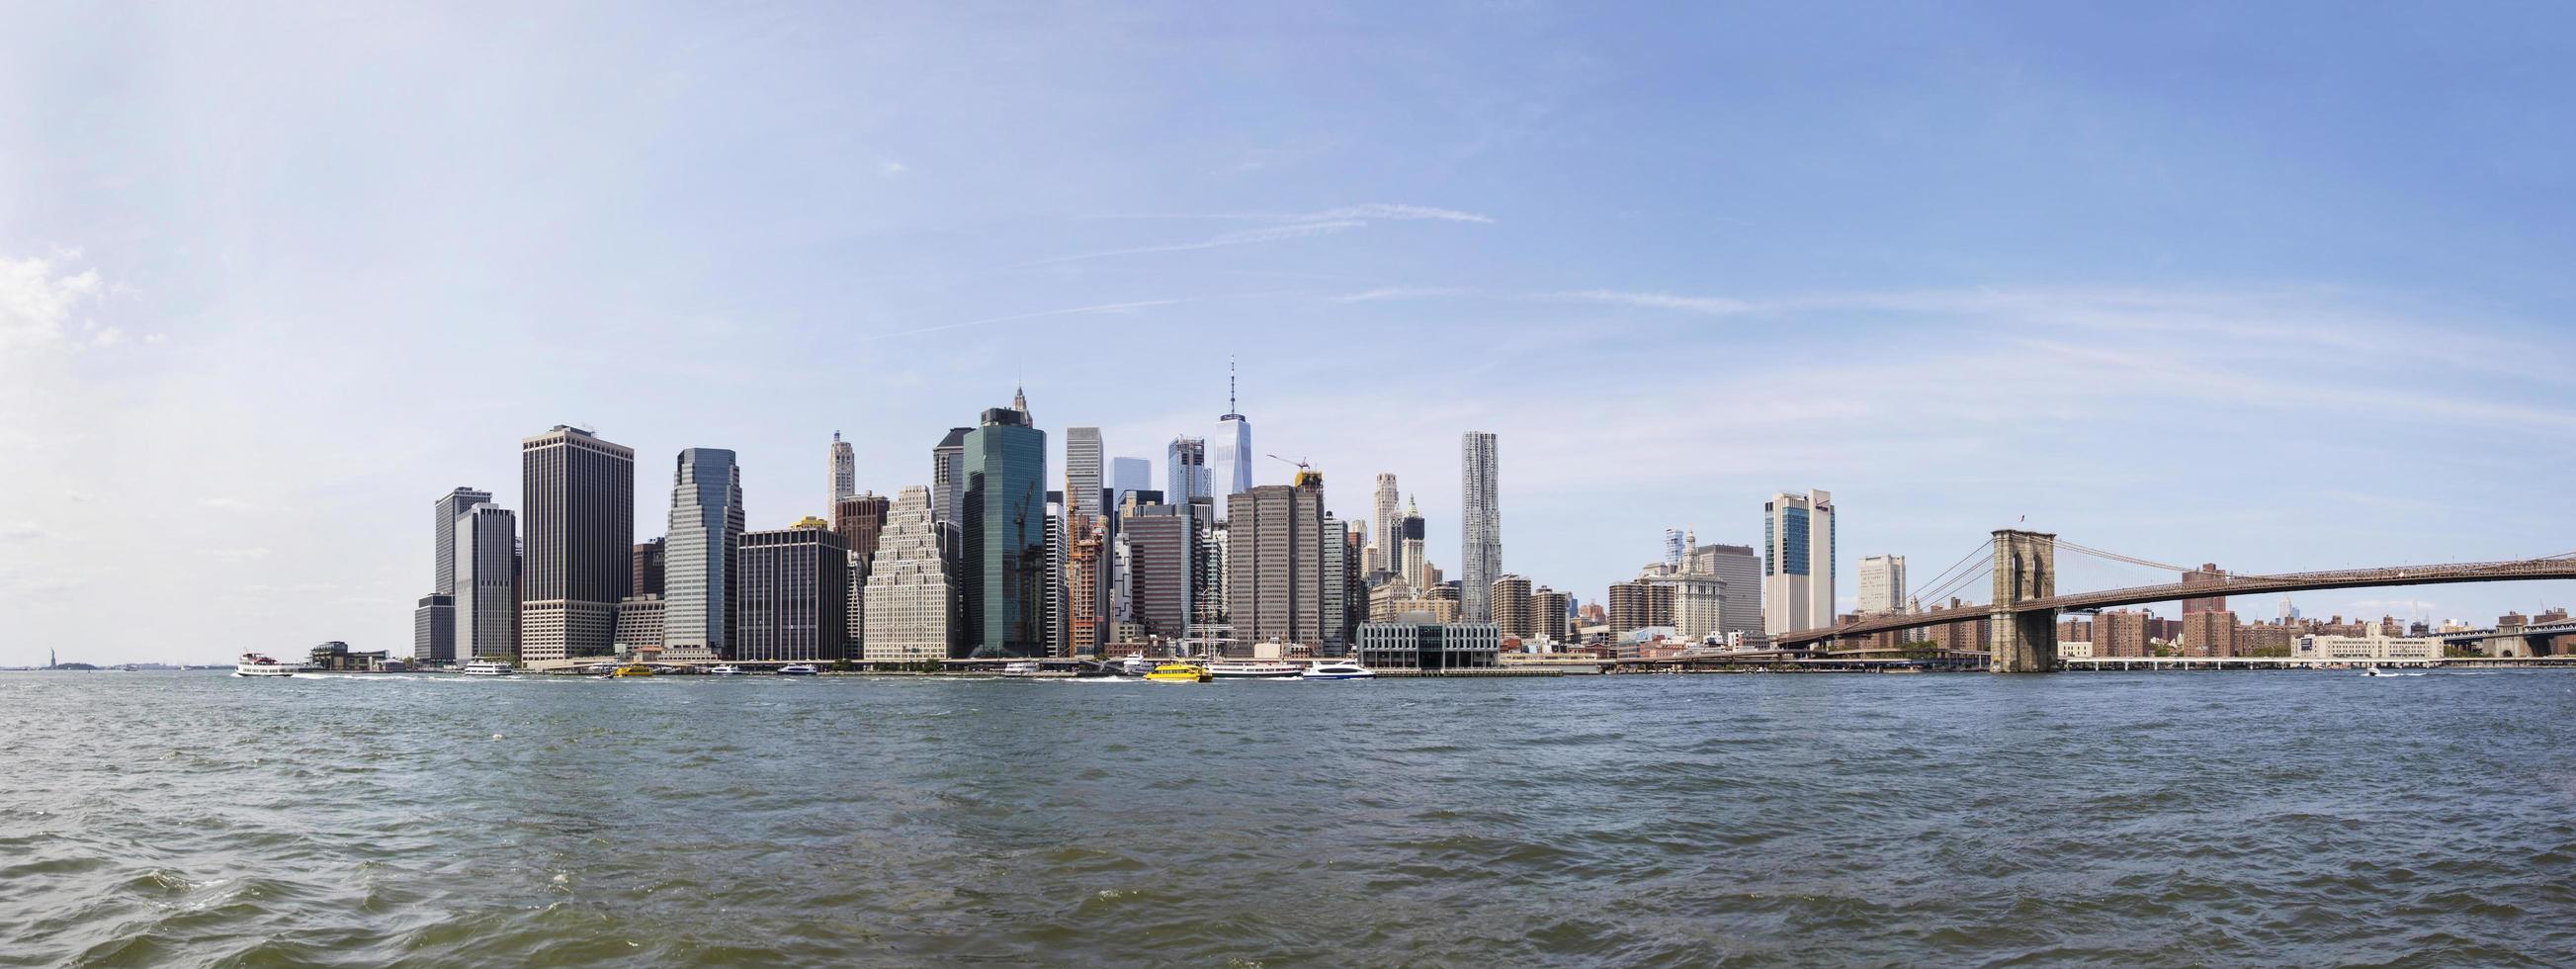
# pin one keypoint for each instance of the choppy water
(198, 819)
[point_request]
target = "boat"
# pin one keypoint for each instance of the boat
(1179, 673)
(2371, 671)
(1134, 665)
(1254, 669)
(727, 669)
(798, 669)
(255, 664)
(1339, 669)
(486, 667)
(630, 670)
(1026, 667)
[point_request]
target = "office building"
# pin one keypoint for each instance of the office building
(1417, 643)
(1128, 476)
(1275, 561)
(1333, 583)
(434, 622)
(1740, 568)
(639, 625)
(1510, 596)
(1163, 563)
(1798, 561)
(908, 603)
(486, 583)
(1480, 526)
(860, 521)
(433, 627)
(1409, 563)
(649, 564)
(1382, 525)
(791, 595)
(1004, 580)
(700, 555)
(580, 495)
(1231, 461)
(1185, 471)
(845, 469)
(1083, 478)
(948, 477)
(1698, 602)
(1882, 584)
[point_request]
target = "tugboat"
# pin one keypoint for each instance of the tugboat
(255, 664)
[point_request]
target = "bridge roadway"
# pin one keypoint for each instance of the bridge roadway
(2233, 585)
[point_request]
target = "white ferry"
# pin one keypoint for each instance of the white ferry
(798, 669)
(1339, 669)
(486, 667)
(255, 664)
(724, 669)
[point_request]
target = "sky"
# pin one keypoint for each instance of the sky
(2276, 286)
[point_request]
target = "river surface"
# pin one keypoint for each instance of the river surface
(157, 819)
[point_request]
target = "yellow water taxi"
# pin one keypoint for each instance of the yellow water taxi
(1179, 673)
(626, 671)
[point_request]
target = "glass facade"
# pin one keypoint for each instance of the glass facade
(1005, 566)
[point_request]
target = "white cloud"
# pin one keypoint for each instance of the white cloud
(1392, 212)
(21, 532)
(238, 554)
(891, 168)
(1245, 237)
(1399, 292)
(1713, 305)
(36, 299)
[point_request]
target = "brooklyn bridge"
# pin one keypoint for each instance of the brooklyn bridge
(2022, 631)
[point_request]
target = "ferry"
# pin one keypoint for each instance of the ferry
(486, 667)
(727, 669)
(1339, 669)
(624, 672)
(1134, 665)
(798, 669)
(1254, 669)
(1179, 673)
(1026, 667)
(255, 664)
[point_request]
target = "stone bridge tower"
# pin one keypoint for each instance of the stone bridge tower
(2025, 569)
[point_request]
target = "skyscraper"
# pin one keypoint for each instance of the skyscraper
(1674, 547)
(908, 600)
(485, 540)
(860, 520)
(1232, 462)
(1082, 472)
(1409, 563)
(791, 587)
(1882, 584)
(1128, 476)
(1511, 600)
(580, 493)
(845, 469)
(1798, 561)
(1084, 623)
(702, 550)
(1163, 549)
(1275, 562)
(1005, 566)
(948, 478)
(1382, 525)
(1740, 567)
(649, 558)
(1186, 470)
(1480, 528)
(434, 623)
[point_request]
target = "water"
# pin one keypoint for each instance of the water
(198, 819)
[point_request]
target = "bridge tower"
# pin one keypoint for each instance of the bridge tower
(2023, 641)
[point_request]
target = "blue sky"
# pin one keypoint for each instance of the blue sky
(2277, 286)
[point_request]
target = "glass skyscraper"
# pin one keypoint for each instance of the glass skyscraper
(1003, 570)
(700, 554)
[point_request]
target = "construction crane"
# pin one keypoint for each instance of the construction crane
(1305, 472)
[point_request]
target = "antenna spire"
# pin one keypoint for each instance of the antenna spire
(1230, 407)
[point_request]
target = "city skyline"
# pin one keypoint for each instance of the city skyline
(2052, 292)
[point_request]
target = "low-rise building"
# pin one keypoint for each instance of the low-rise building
(2375, 644)
(1417, 643)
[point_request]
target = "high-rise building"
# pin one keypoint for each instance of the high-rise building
(1005, 567)
(1163, 564)
(1410, 564)
(1699, 603)
(639, 624)
(1480, 526)
(1552, 615)
(908, 601)
(486, 584)
(1232, 460)
(1186, 471)
(450, 506)
(1882, 584)
(1084, 623)
(1510, 596)
(1275, 562)
(1128, 476)
(1332, 581)
(1059, 542)
(845, 469)
(702, 549)
(1082, 472)
(2207, 572)
(948, 478)
(580, 495)
(650, 558)
(860, 520)
(1640, 604)
(434, 623)
(1382, 525)
(1798, 561)
(1674, 547)
(1740, 567)
(791, 592)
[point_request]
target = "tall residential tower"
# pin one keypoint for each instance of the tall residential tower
(1480, 527)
